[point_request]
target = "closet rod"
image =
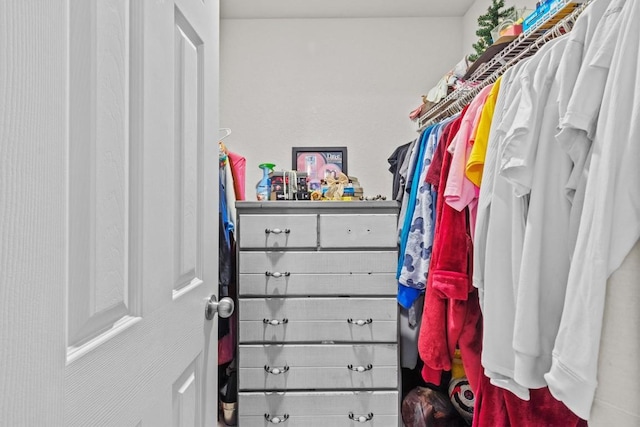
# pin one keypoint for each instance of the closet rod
(520, 48)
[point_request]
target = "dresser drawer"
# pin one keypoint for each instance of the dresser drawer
(318, 409)
(278, 231)
(318, 262)
(287, 366)
(358, 231)
(317, 319)
(302, 284)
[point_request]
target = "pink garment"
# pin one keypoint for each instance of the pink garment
(227, 344)
(416, 113)
(238, 167)
(460, 192)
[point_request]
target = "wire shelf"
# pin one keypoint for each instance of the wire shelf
(558, 21)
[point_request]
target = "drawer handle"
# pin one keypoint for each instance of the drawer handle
(276, 419)
(361, 368)
(276, 371)
(360, 322)
(277, 274)
(275, 322)
(361, 418)
(277, 231)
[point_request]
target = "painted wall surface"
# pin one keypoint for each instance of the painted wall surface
(330, 82)
(470, 20)
(618, 392)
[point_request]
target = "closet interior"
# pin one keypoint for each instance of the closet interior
(517, 224)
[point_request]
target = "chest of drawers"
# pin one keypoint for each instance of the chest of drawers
(317, 313)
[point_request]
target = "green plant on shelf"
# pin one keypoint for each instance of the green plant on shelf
(496, 13)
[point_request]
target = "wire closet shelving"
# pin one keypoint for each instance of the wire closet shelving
(556, 22)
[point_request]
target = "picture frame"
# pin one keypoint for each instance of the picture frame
(319, 162)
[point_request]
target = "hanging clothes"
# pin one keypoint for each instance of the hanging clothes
(583, 74)
(460, 193)
(418, 232)
(451, 317)
(500, 219)
(551, 155)
(408, 294)
(530, 153)
(395, 160)
(231, 186)
(609, 223)
(497, 407)
(475, 163)
(226, 278)
(238, 169)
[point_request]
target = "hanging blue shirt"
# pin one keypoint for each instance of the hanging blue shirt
(419, 223)
(408, 294)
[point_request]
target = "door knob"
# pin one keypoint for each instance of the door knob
(224, 308)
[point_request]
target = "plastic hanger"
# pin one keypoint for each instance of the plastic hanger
(227, 132)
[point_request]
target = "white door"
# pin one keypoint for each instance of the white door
(108, 212)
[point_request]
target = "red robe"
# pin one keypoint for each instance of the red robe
(451, 316)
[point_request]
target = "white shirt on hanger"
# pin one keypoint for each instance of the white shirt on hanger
(609, 224)
(582, 93)
(537, 166)
(499, 235)
(486, 189)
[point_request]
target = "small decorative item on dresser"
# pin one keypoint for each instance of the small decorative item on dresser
(335, 188)
(377, 197)
(319, 162)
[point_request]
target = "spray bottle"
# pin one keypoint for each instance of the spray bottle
(263, 188)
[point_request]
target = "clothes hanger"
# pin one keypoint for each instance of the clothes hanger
(227, 132)
(559, 30)
(567, 25)
(539, 43)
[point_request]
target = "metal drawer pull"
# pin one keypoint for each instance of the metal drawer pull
(360, 322)
(275, 322)
(276, 420)
(277, 274)
(277, 231)
(361, 418)
(361, 368)
(276, 371)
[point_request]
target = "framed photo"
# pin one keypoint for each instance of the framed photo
(320, 162)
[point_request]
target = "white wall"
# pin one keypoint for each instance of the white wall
(479, 7)
(618, 392)
(330, 82)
